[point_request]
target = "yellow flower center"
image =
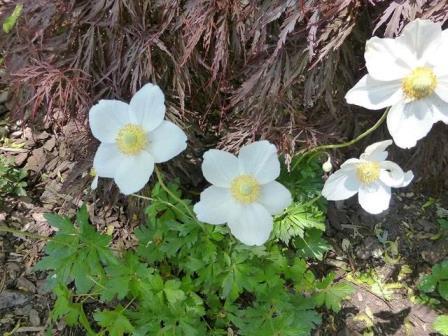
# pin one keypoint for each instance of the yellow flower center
(420, 83)
(368, 172)
(131, 139)
(245, 189)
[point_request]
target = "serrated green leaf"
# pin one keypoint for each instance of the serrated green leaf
(333, 295)
(172, 292)
(441, 325)
(114, 321)
(312, 245)
(296, 219)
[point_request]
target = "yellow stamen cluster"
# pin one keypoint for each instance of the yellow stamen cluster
(368, 172)
(245, 189)
(131, 139)
(420, 83)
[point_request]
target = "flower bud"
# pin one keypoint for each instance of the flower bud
(327, 166)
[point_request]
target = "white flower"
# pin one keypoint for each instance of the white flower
(371, 176)
(244, 193)
(133, 138)
(410, 74)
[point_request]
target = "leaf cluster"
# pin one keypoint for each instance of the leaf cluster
(184, 278)
(437, 281)
(11, 179)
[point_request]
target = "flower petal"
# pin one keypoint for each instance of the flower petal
(260, 160)
(374, 198)
(94, 183)
(376, 151)
(148, 106)
(106, 118)
(166, 141)
(374, 94)
(409, 122)
(408, 177)
(216, 206)
(253, 225)
(422, 38)
(442, 87)
(220, 167)
(107, 160)
(350, 163)
(341, 185)
(134, 172)
(387, 60)
(391, 174)
(439, 109)
(275, 197)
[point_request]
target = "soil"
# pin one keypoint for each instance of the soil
(395, 248)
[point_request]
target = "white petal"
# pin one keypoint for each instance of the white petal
(438, 58)
(391, 174)
(106, 118)
(373, 94)
(216, 206)
(442, 87)
(166, 142)
(374, 198)
(408, 177)
(260, 160)
(134, 172)
(439, 109)
(409, 122)
(422, 38)
(275, 197)
(387, 60)
(376, 151)
(253, 225)
(148, 106)
(341, 185)
(350, 163)
(107, 160)
(220, 167)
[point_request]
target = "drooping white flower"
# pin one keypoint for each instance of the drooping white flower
(133, 138)
(244, 193)
(370, 176)
(409, 74)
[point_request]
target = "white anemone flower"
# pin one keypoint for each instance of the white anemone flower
(133, 138)
(370, 176)
(244, 193)
(409, 74)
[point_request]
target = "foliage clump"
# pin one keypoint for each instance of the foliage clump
(12, 180)
(186, 278)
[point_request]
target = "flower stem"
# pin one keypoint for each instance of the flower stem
(4, 228)
(345, 144)
(173, 196)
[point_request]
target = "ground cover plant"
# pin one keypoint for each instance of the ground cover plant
(240, 255)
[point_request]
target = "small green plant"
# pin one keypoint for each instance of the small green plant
(11, 179)
(437, 281)
(186, 278)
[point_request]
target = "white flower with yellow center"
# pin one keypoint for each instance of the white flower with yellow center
(409, 74)
(133, 138)
(370, 176)
(244, 193)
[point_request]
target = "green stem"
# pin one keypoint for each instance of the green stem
(345, 144)
(22, 234)
(173, 196)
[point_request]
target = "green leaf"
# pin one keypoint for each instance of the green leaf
(77, 254)
(173, 293)
(333, 294)
(441, 325)
(114, 321)
(11, 20)
(312, 245)
(296, 219)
